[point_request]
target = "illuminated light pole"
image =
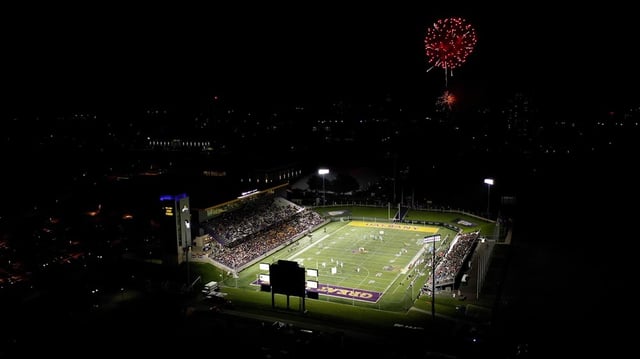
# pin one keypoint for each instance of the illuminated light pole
(480, 269)
(322, 172)
(433, 287)
(489, 182)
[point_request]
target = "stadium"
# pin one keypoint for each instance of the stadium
(350, 266)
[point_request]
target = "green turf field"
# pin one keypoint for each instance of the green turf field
(372, 263)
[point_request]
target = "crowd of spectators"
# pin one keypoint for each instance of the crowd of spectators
(254, 230)
(449, 263)
(254, 216)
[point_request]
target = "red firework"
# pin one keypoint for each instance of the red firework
(449, 42)
(447, 100)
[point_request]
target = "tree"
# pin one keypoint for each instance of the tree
(315, 183)
(344, 183)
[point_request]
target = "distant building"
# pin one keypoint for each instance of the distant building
(176, 214)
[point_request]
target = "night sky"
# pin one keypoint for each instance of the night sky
(79, 57)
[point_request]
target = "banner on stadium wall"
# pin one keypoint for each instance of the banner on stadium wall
(431, 238)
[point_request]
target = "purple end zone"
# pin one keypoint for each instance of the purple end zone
(348, 293)
(342, 292)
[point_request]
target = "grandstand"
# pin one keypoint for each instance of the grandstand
(449, 262)
(253, 226)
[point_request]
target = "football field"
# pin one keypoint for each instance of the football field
(367, 262)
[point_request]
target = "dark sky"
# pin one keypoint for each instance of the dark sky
(115, 55)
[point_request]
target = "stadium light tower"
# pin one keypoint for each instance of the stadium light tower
(322, 172)
(489, 182)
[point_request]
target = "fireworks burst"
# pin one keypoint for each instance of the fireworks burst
(446, 101)
(448, 43)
